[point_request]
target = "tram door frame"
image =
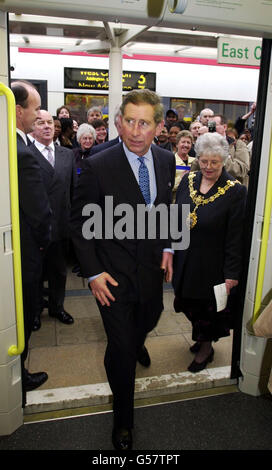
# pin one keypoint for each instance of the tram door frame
(256, 353)
(11, 414)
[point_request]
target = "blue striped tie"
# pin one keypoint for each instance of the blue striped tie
(144, 180)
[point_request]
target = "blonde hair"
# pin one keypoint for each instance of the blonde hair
(185, 133)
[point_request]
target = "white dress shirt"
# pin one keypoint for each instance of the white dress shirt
(43, 148)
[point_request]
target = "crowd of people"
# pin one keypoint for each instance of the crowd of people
(156, 159)
(239, 137)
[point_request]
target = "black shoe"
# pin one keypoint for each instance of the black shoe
(63, 316)
(196, 347)
(37, 324)
(198, 366)
(33, 381)
(76, 269)
(122, 439)
(144, 358)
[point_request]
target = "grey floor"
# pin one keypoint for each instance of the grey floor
(73, 355)
(229, 422)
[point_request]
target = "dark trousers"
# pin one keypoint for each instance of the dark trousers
(30, 303)
(126, 325)
(55, 272)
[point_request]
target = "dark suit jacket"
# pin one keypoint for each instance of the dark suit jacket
(35, 212)
(59, 182)
(215, 250)
(104, 146)
(135, 264)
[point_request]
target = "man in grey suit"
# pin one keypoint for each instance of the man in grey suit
(126, 272)
(59, 175)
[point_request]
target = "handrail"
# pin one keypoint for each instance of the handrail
(265, 236)
(14, 204)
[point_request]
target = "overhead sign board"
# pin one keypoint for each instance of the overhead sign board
(239, 51)
(97, 79)
(250, 17)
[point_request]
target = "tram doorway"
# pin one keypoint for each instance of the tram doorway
(86, 353)
(73, 356)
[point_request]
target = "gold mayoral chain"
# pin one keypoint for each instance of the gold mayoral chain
(200, 200)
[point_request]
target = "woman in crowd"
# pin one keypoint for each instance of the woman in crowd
(172, 138)
(183, 159)
(217, 203)
(232, 135)
(57, 130)
(101, 131)
(85, 137)
(67, 136)
(63, 112)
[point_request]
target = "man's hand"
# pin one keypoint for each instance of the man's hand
(100, 290)
(230, 283)
(167, 265)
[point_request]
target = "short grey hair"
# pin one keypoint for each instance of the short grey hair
(94, 109)
(85, 129)
(212, 143)
(203, 111)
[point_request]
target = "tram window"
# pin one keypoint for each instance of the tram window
(230, 109)
(41, 86)
(79, 103)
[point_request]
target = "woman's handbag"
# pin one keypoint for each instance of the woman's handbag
(263, 325)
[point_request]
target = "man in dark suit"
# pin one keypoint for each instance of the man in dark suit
(59, 175)
(35, 218)
(125, 272)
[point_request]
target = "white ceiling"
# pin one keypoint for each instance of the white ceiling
(77, 35)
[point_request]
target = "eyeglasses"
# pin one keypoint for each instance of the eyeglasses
(141, 123)
(212, 163)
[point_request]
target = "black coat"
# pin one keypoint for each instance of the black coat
(135, 264)
(215, 250)
(59, 183)
(104, 146)
(80, 155)
(35, 212)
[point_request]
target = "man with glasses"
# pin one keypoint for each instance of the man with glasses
(126, 274)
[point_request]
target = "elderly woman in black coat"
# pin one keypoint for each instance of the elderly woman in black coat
(86, 138)
(217, 203)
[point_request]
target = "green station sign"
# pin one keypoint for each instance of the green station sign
(239, 51)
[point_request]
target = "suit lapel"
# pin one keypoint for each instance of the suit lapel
(42, 160)
(122, 172)
(58, 158)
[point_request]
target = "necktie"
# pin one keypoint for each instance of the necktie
(144, 180)
(50, 156)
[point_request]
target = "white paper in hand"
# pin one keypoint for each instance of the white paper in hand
(221, 296)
